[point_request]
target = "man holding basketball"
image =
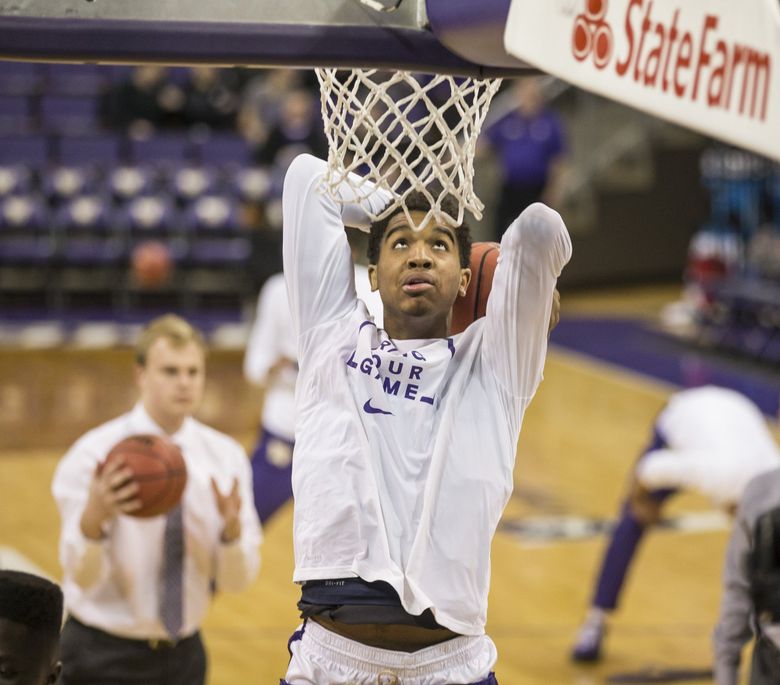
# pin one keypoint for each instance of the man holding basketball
(137, 589)
(405, 437)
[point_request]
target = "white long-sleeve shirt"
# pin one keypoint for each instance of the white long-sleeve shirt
(113, 584)
(717, 440)
(273, 337)
(405, 448)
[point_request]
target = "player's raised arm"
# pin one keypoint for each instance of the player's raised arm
(534, 250)
(317, 259)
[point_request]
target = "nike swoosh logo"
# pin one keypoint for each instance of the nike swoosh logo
(374, 410)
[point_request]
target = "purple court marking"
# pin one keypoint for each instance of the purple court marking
(631, 344)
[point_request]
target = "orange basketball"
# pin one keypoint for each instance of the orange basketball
(151, 264)
(466, 310)
(159, 469)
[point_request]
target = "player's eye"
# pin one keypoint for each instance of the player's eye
(399, 243)
(441, 245)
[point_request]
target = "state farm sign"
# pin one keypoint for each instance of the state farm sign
(708, 64)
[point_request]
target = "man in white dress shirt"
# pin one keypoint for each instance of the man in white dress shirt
(406, 435)
(710, 440)
(270, 362)
(137, 589)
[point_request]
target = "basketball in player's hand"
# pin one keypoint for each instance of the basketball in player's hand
(466, 310)
(151, 264)
(159, 469)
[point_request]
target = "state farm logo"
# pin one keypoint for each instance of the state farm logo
(680, 51)
(592, 35)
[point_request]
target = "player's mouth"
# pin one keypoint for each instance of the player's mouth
(416, 284)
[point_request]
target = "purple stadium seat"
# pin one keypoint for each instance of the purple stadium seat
(14, 179)
(31, 150)
(86, 214)
(224, 150)
(64, 182)
(69, 114)
(160, 148)
(219, 251)
(19, 249)
(24, 213)
(21, 78)
(190, 182)
(127, 182)
(25, 235)
(76, 79)
(15, 114)
(81, 250)
(151, 215)
(214, 214)
(102, 150)
(253, 183)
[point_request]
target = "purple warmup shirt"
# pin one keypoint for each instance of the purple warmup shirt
(527, 146)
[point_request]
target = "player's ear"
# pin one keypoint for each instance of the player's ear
(465, 279)
(372, 279)
(54, 676)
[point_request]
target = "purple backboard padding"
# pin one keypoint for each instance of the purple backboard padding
(294, 45)
(473, 29)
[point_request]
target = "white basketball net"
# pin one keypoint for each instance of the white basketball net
(405, 132)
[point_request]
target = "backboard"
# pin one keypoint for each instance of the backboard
(461, 37)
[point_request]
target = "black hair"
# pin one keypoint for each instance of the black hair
(32, 601)
(416, 201)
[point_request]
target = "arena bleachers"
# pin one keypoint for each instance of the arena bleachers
(79, 191)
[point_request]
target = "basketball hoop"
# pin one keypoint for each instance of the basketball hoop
(405, 132)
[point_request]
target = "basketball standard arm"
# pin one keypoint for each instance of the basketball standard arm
(317, 259)
(534, 250)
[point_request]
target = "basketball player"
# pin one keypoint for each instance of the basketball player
(270, 362)
(137, 589)
(30, 620)
(711, 440)
(405, 436)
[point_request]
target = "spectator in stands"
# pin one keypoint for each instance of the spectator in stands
(146, 99)
(298, 130)
(211, 98)
(262, 99)
(530, 145)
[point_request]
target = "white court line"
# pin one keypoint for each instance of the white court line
(538, 531)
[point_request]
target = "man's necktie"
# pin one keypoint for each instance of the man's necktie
(171, 587)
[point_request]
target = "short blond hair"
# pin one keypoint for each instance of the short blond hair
(171, 327)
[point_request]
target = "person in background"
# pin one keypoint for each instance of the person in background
(530, 145)
(750, 606)
(711, 440)
(137, 589)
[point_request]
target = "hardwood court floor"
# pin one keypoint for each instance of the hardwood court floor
(580, 438)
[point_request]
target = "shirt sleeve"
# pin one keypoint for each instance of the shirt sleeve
(263, 346)
(317, 259)
(238, 562)
(534, 250)
(733, 628)
(84, 560)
